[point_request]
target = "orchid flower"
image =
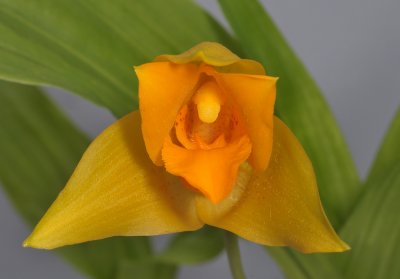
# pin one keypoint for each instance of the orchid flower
(204, 148)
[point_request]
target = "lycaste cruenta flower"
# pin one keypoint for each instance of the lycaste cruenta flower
(205, 148)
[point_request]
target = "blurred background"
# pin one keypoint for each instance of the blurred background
(351, 47)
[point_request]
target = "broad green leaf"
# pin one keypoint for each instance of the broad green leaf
(89, 47)
(146, 270)
(389, 152)
(373, 231)
(39, 149)
(193, 247)
(300, 104)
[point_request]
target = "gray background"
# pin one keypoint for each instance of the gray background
(352, 48)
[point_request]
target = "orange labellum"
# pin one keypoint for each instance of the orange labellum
(209, 142)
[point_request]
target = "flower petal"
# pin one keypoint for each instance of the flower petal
(116, 190)
(213, 172)
(217, 55)
(244, 66)
(256, 97)
(279, 206)
(163, 88)
(208, 52)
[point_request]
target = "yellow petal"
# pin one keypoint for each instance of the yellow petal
(244, 66)
(208, 52)
(116, 190)
(163, 89)
(256, 97)
(279, 206)
(217, 55)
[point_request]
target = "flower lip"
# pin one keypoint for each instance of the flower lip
(195, 142)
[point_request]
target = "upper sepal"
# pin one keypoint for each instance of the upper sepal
(216, 55)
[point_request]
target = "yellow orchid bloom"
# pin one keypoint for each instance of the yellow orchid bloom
(204, 149)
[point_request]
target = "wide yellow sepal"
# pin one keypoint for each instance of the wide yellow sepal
(116, 190)
(279, 206)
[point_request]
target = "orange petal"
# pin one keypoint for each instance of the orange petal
(116, 190)
(213, 172)
(279, 206)
(163, 89)
(255, 95)
(217, 55)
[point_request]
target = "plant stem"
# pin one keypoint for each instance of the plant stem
(233, 252)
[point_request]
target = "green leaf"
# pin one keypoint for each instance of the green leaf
(146, 270)
(39, 149)
(373, 231)
(389, 152)
(89, 47)
(300, 104)
(193, 247)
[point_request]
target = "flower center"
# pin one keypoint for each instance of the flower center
(208, 143)
(209, 120)
(208, 102)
